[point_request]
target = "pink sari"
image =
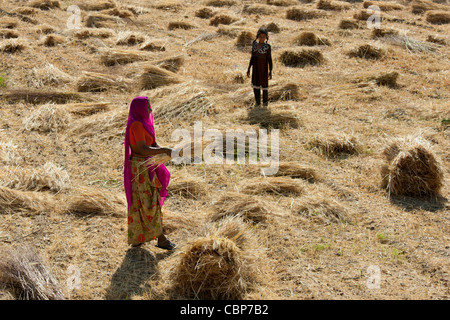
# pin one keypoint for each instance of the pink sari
(139, 112)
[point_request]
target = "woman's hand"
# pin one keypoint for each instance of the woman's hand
(270, 76)
(167, 151)
(248, 73)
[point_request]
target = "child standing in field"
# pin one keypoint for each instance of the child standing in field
(261, 61)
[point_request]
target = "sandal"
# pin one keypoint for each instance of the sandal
(168, 245)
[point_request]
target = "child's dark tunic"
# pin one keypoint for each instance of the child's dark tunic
(261, 61)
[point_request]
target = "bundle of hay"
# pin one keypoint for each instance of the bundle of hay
(436, 39)
(220, 3)
(272, 27)
(122, 13)
(100, 82)
(274, 185)
(39, 97)
(8, 34)
(296, 171)
(13, 45)
(335, 145)
(422, 6)
(97, 201)
(45, 29)
(308, 38)
(8, 23)
(9, 153)
(298, 14)
(48, 75)
(151, 45)
(250, 208)
(183, 101)
(282, 3)
(349, 24)
(46, 118)
(50, 177)
(225, 263)
(45, 4)
(257, 9)
(97, 5)
(87, 108)
(52, 40)
(111, 57)
(410, 44)
(302, 58)
(25, 202)
(204, 13)
(85, 33)
(245, 39)
(222, 19)
(383, 5)
(322, 208)
(180, 25)
(130, 38)
(365, 14)
(101, 21)
(172, 64)
(412, 169)
(333, 5)
(286, 92)
(153, 77)
(366, 51)
(380, 33)
(188, 187)
(438, 17)
(274, 118)
(24, 272)
(388, 79)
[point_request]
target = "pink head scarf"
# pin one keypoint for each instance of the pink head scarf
(139, 112)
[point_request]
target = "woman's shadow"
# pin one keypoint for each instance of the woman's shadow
(131, 278)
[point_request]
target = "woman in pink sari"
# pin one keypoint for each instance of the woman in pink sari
(145, 186)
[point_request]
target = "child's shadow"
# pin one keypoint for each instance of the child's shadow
(131, 278)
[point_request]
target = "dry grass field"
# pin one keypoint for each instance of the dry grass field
(364, 143)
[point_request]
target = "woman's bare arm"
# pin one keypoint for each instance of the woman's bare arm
(143, 150)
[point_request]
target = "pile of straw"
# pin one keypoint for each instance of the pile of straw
(275, 185)
(245, 39)
(286, 92)
(333, 5)
(296, 171)
(45, 4)
(111, 57)
(388, 79)
(24, 202)
(225, 263)
(411, 169)
(250, 208)
(130, 38)
(52, 40)
(153, 77)
(302, 58)
(366, 51)
(46, 118)
(308, 38)
(180, 25)
(101, 21)
(188, 187)
(410, 44)
(321, 208)
(365, 14)
(87, 109)
(9, 154)
(204, 13)
(13, 45)
(8, 34)
(299, 14)
(172, 64)
(85, 33)
(89, 200)
(220, 3)
(436, 39)
(349, 24)
(24, 273)
(96, 5)
(122, 13)
(438, 17)
(383, 5)
(50, 177)
(48, 75)
(335, 145)
(99, 82)
(39, 97)
(422, 6)
(221, 19)
(257, 9)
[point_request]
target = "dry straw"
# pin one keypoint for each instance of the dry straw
(13, 45)
(188, 187)
(8, 34)
(308, 38)
(99, 82)
(97, 5)
(299, 14)
(333, 146)
(349, 24)
(251, 208)
(367, 51)
(48, 75)
(333, 5)
(412, 169)
(25, 202)
(383, 5)
(273, 117)
(222, 19)
(111, 57)
(46, 118)
(302, 58)
(101, 21)
(225, 263)
(204, 13)
(26, 275)
(422, 6)
(40, 97)
(322, 208)
(50, 177)
(438, 17)
(45, 4)
(130, 38)
(220, 3)
(180, 25)
(275, 185)
(85, 33)
(153, 77)
(94, 201)
(258, 9)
